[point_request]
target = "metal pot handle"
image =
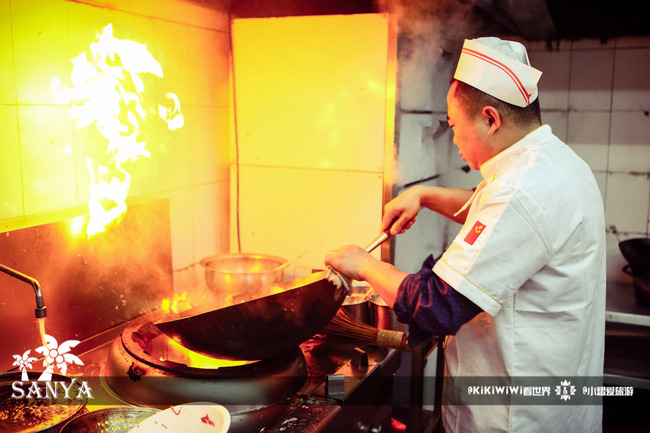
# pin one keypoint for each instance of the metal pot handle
(627, 269)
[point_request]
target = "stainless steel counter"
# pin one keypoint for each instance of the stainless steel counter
(627, 338)
(622, 306)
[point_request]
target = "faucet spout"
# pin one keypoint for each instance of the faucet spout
(40, 308)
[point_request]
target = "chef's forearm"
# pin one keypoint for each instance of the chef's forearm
(445, 201)
(384, 278)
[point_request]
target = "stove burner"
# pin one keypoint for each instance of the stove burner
(138, 375)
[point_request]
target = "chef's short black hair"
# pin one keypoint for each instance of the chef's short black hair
(473, 100)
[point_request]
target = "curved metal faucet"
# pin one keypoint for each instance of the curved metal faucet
(40, 308)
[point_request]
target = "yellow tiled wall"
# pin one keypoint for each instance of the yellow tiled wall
(42, 163)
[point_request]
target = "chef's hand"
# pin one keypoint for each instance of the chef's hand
(349, 260)
(400, 212)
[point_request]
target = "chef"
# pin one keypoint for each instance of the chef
(521, 290)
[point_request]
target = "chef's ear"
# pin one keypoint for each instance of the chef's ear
(492, 119)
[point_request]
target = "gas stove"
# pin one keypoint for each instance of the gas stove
(328, 383)
(105, 293)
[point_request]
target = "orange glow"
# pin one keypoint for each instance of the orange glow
(76, 225)
(107, 92)
(176, 304)
(166, 349)
(41, 330)
(177, 353)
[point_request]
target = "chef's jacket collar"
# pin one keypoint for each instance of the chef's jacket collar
(499, 162)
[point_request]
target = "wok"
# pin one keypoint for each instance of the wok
(637, 253)
(42, 415)
(267, 326)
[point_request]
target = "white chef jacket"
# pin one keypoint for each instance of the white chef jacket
(531, 254)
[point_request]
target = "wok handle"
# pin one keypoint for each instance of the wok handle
(378, 241)
(628, 270)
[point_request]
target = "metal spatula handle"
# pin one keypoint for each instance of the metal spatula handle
(378, 241)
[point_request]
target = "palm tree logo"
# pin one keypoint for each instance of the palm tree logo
(23, 363)
(57, 356)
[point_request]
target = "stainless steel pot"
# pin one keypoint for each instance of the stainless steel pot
(383, 317)
(356, 303)
(233, 274)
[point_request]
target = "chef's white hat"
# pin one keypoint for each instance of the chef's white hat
(500, 69)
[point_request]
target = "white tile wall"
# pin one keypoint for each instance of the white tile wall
(629, 149)
(590, 79)
(556, 77)
(424, 238)
(559, 121)
(417, 160)
(626, 203)
(588, 133)
(631, 90)
(43, 169)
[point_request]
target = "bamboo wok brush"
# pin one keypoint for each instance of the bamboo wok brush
(345, 325)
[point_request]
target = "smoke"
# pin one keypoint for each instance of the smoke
(443, 23)
(438, 27)
(430, 37)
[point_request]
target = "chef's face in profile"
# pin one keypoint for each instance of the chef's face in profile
(466, 130)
